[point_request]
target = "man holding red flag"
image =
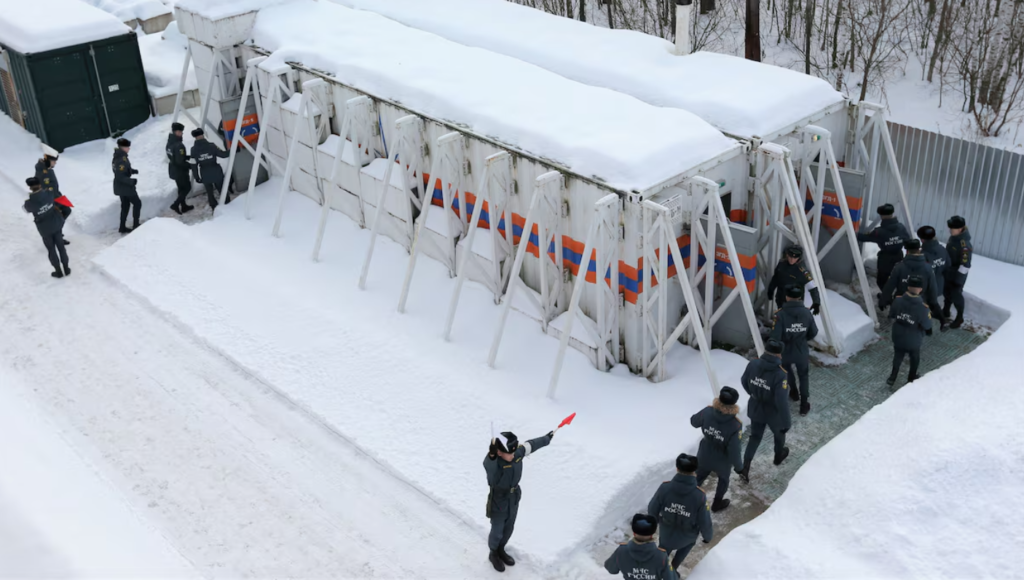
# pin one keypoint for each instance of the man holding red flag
(48, 181)
(49, 222)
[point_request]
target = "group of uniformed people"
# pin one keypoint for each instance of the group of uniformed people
(49, 209)
(200, 163)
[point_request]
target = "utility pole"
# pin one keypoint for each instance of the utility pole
(706, 6)
(753, 32)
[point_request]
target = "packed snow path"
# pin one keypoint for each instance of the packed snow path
(237, 480)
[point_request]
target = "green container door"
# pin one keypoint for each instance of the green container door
(123, 82)
(67, 97)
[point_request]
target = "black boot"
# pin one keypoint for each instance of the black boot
(913, 378)
(67, 242)
(67, 270)
(57, 274)
(891, 380)
(177, 208)
(958, 322)
(745, 472)
(124, 230)
(719, 505)
(503, 555)
(496, 561)
(805, 408)
(794, 393)
(185, 208)
(782, 456)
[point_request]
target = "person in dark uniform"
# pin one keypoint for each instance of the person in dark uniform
(682, 511)
(207, 170)
(48, 179)
(912, 265)
(938, 258)
(791, 272)
(124, 185)
(911, 322)
(178, 167)
(765, 381)
(640, 558)
(720, 450)
(41, 203)
(889, 236)
(794, 326)
(960, 250)
(504, 467)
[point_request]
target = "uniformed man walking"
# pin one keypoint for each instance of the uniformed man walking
(124, 185)
(938, 258)
(178, 168)
(41, 203)
(911, 321)
(682, 511)
(640, 558)
(791, 272)
(504, 467)
(794, 326)
(889, 236)
(47, 177)
(960, 251)
(720, 450)
(912, 265)
(765, 381)
(208, 170)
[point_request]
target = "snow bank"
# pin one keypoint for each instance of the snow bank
(854, 327)
(594, 132)
(737, 96)
(391, 385)
(925, 485)
(127, 10)
(162, 57)
(42, 25)
(59, 518)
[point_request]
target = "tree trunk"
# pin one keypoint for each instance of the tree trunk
(835, 35)
(808, 34)
(611, 22)
(940, 38)
(753, 31)
(583, 10)
(568, 9)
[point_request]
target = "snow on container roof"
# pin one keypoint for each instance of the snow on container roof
(218, 9)
(737, 96)
(594, 132)
(131, 9)
(41, 25)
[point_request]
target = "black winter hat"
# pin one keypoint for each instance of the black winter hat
(644, 525)
(510, 444)
(122, 142)
(912, 245)
(886, 209)
(686, 463)
(197, 132)
(915, 282)
(728, 396)
(956, 222)
(926, 233)
(177, 127)
(32, 182)
(793, 291)
(773, 347)
(795, 251)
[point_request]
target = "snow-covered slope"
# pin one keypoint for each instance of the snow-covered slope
(162, 57)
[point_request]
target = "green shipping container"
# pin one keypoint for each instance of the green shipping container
(76, 94)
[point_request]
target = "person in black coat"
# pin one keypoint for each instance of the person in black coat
(47, 177)
(911, 322)
(41, 203)
(207, 170)
(721, 449)
(791, 272)
(935, 254)
(682, 511)
(960, 250)
(765, 381)
(640, 558)
(178, 167)
(124, 185)
(912, 265)
(794, 326)
(889, 236)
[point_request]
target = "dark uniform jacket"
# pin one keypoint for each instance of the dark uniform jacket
(682, 511)
(787, 274)
(889, 236)
(960, 251)
(503, 476)
(720, 448)
(177, 158)
(794, 325)
(205, 155)
(644, 561)
(765, 381)
(47, 178)
(124, 183)
(938, 258)
(912, 265)
(44, 212)
(910, 321)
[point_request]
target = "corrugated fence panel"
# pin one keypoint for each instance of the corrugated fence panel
(946, 176)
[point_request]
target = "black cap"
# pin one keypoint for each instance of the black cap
(177, 127)
(793, 291)
(912, 245)
(956, 222)
(686, 463)
(728, 396)
(926, 233)
(32, 182)
(886, 209)
(915, 282)
(795, 251)
(644, 525)
(197, 132)
(513, 442)
(773, 346)
(122, 142)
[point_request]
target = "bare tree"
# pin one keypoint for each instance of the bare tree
(753, 31)
(881, 29)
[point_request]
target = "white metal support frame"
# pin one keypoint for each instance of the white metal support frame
(602, 239)
(224, 72)
(277, 94)
(871, 123)
(251, 87)
(495, 188)
(776, 188)
(407, 154)
(308, 111)
(447, 169)
(545, 212)
(820, 147)
(659, 233)
(357, 129)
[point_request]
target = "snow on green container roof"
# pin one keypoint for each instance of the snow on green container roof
(42, 25)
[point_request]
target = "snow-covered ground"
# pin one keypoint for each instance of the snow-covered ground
(162, 57)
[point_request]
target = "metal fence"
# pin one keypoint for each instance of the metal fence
(946, 176)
